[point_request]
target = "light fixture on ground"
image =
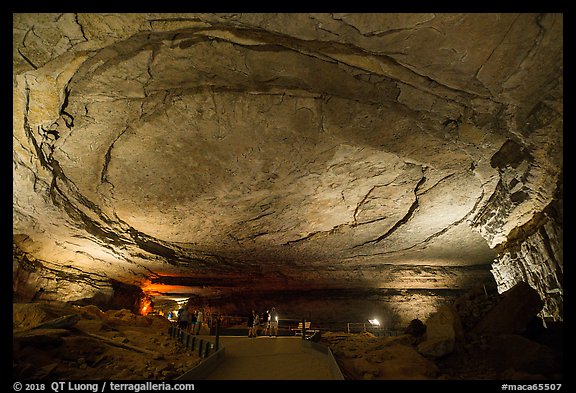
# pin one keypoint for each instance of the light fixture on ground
(374, 322)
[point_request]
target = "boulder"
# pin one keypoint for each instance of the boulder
(91, 312)
(27, 315)
(402, 362)
(415, 328)
(474, 305)
(519, 305)
(508, 352)
(124, 317)
(443, 329)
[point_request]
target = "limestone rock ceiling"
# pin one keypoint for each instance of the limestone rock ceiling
(295, 150)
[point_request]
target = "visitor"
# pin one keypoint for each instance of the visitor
(265, 320)
(199, 321)
(192, 324)
(183, 318)
(255, 323)
(250, 323)
(273, 322)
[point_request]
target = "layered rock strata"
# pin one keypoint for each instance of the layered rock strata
(302, 150)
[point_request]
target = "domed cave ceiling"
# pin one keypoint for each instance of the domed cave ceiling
(225, 154)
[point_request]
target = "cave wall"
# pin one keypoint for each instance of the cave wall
(523, 218)
(334, 309)
(488, 118)
(534, 254)
(36, 280)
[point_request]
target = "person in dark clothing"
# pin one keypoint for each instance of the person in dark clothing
(192, 322)
(183, 318)
(250, 323)
(255, 323)
(265, 320)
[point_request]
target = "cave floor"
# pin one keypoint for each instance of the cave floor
(270, 358)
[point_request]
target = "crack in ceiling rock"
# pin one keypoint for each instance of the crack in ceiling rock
(207, 144)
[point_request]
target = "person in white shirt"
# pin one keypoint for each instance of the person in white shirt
(199, 321)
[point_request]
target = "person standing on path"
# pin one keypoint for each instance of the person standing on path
(251, 323)
(199, 321)
(264, 322)
(273, 322)
(183, 318)
(192, 322)
(255, 323)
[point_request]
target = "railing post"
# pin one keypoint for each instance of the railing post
(303, 328)
(217, 334)
(189, 340)
(200, 345)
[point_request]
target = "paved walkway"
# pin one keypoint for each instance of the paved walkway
(270, 358)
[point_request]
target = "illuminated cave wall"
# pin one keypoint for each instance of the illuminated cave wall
(536, 256)
(488, 111)
(34, 280)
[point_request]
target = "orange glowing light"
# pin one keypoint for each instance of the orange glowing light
(160, 289)
(151, 290)
(163, 288)
(145, 306)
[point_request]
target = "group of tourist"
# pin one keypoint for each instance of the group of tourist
(267, 321)
(190, 321)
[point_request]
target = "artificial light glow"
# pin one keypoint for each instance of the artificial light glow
(145, 306)
(276, 319)
(180, 300)
(374, 322)
(158, 289)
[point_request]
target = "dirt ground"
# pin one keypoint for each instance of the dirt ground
(116, 345)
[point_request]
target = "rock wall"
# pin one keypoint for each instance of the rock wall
(334, 309)
(37, 280)
(312, 148)
(34, 279)
(523, 218)
(535, 255)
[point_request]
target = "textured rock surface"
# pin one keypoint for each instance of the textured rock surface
(443, 329)
(285, 151)
(364, 356)
(481, 347)
(519, 305)
(90, 351)
(535, 255)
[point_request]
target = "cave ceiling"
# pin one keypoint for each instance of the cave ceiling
(281, 150)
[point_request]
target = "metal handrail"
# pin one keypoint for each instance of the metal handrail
(366, 327)
(190, 340)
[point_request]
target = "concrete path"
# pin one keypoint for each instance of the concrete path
(270, 358)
